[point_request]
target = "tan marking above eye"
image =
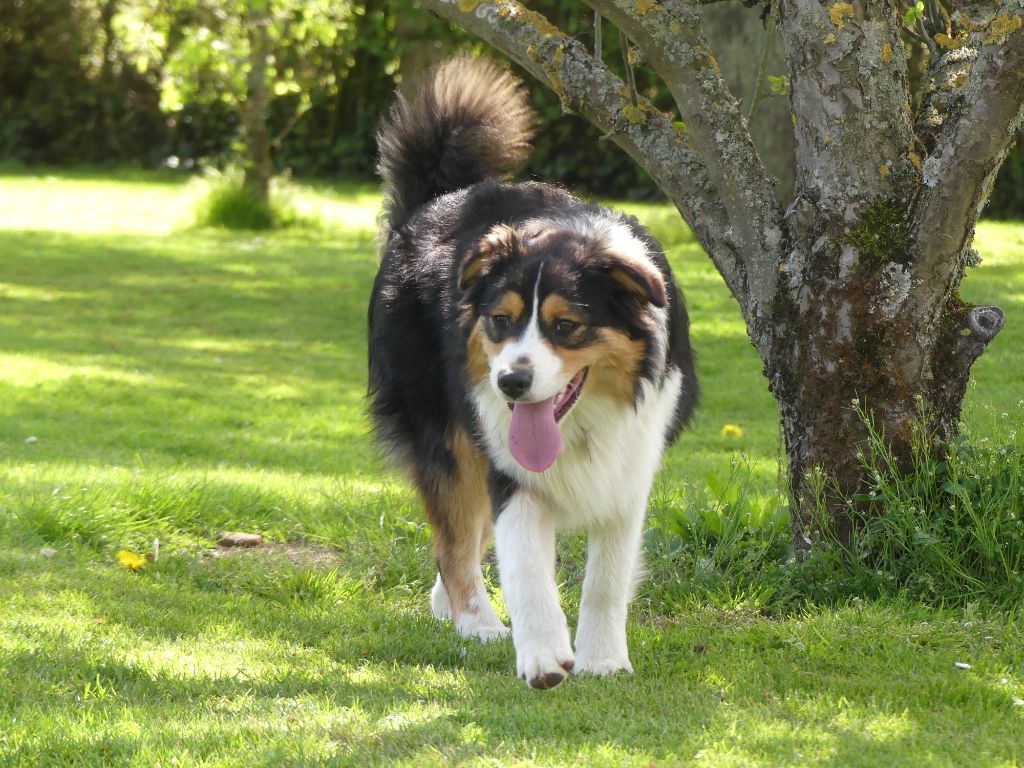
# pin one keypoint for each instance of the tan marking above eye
(510, 303)
(555, 308)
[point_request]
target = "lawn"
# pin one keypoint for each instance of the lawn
(163, 382)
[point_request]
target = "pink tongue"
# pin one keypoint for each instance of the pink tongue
(534, 437)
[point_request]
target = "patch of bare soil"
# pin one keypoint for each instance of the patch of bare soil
(305, 554)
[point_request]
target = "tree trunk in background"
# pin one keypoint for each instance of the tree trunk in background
(420, 50)
(259, 167)
(107, 12)
(737, 36)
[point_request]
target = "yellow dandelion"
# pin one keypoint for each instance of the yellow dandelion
(130, 560)
(731, 430)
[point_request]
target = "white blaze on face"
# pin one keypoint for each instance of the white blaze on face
(533, 350)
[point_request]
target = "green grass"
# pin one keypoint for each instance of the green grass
(162, 381)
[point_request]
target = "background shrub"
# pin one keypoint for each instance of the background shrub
(230, 205)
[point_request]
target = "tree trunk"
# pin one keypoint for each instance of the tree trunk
(259, 167)
(845, 348)
(850, 294)
(420, 50)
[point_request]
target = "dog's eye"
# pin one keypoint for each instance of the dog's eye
(565, 327)
(501, 322)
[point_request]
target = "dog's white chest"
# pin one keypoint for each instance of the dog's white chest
(611, 453)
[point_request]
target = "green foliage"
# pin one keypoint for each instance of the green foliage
(210, 60)
(149, 83)
(66, 95)
(568, 149)
(778, 85)
(914, 14)
(726, 543)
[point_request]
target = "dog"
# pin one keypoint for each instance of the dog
(529, 363)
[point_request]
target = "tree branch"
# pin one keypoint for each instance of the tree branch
(762, 63)
(588, 88)
(671, 39)
(297, 115)
(976, 106)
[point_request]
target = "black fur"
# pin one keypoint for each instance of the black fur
(440, 156)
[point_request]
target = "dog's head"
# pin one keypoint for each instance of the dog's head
(557, 311)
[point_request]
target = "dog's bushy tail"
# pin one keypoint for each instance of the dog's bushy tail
(469, 120)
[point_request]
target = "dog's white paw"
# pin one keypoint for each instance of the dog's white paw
(480, 622)
(484, 626)
(545, 663)
(602, 667)
(440, 605)
(601, 646)
(545, 669)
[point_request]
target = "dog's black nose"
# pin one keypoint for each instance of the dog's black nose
(513, 382)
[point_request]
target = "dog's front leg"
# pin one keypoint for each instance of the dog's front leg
(613, 553)
(524, 539)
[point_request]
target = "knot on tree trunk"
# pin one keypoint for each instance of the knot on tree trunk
(975, 330)
(951, 371)
(985, 323)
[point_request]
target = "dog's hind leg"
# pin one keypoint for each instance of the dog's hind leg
(459, 510)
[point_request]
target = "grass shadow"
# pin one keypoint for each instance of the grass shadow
(187, 672)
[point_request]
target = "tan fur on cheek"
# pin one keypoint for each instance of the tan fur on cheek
(480, 350)
(614, 361)
(477, 365)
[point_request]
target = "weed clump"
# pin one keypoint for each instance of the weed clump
(949, 533)
(723, 543)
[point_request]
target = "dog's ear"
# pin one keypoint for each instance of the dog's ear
(638, 276)
(498, 244)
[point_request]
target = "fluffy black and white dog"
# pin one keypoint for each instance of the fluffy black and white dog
(529, 363)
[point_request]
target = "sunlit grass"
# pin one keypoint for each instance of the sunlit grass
(161, 381)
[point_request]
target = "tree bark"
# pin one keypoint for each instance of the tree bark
(259, 167)
(850, 294)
